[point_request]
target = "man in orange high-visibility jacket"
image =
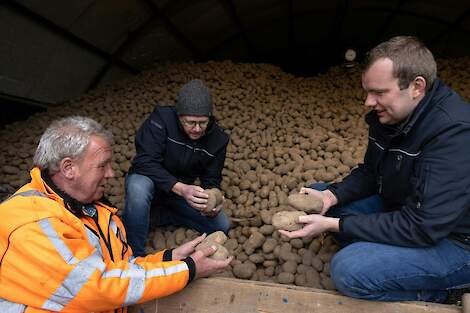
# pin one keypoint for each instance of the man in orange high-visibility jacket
(62, 246)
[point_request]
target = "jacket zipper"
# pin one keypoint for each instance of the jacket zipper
(124, 244)
(109, 238)
(398, 164)
(380, 183)
(107, 243)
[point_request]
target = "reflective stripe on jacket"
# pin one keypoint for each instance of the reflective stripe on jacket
(50, 260)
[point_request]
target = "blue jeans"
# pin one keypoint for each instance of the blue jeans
(383, 272)
(170, 209)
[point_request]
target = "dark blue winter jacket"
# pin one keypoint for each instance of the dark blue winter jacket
(166, 155)
(421, 170)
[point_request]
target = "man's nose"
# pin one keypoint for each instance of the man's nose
(109, 172)
(370, 101)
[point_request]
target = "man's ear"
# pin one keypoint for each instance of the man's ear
(418, 86)
(67, 168)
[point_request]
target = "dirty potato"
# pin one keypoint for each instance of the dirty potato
(305, 202)
(216, 239)
(215, 198)
(287, 220)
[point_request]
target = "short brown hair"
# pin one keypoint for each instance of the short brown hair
(410, 59)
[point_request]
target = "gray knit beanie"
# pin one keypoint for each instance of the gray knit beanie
(194, 98)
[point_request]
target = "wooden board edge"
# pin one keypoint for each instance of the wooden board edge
(230, 295)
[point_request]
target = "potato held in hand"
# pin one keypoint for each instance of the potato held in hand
(305, 202)
(215, 198)
(216, 239)
(287, 220)
(220, 254)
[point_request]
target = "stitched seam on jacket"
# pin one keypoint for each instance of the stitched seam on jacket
(395, 149)
(189, 147)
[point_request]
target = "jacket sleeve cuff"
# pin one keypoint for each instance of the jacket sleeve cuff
(168, 255)
(334, 191)
(341, 222)
(192, 268)
(169, 185)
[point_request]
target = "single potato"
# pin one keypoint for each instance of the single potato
(287, 220)
(215, 198)
(304, 202)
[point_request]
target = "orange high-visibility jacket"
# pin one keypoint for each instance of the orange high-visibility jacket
(50, 260)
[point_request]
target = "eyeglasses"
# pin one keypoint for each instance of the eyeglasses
(192, 124)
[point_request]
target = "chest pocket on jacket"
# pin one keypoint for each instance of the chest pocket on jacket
(398, 170)
(420, 179)
(401, 166)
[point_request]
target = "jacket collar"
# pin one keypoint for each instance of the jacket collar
(43, 182)
(423, 106)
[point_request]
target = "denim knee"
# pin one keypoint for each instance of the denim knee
(346, 276)
(211, 224)
(139, 192)
(222, 223)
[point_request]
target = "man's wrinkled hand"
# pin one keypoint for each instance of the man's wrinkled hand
(187, 248)
(206, 266)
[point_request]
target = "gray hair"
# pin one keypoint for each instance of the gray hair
(67, 138)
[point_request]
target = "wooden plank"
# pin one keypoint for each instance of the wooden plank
(147, 307)
(224, 295)
(466, 303)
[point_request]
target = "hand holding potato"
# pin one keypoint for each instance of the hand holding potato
(187, 248)
(205, 266)
(329, 199)
(215, 202)
(194, 195)
(215, 210)
(314, 225)
(216, 239)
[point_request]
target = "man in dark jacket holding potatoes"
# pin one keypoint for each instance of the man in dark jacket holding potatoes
(403, 216)
(174, 147)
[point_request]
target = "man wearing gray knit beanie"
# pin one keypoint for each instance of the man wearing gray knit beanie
(194, 98)
(175, 147)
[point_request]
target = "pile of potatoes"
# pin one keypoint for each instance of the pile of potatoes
(286, 132)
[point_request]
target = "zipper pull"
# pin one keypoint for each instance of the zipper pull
(380, 184)
(398, 164)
